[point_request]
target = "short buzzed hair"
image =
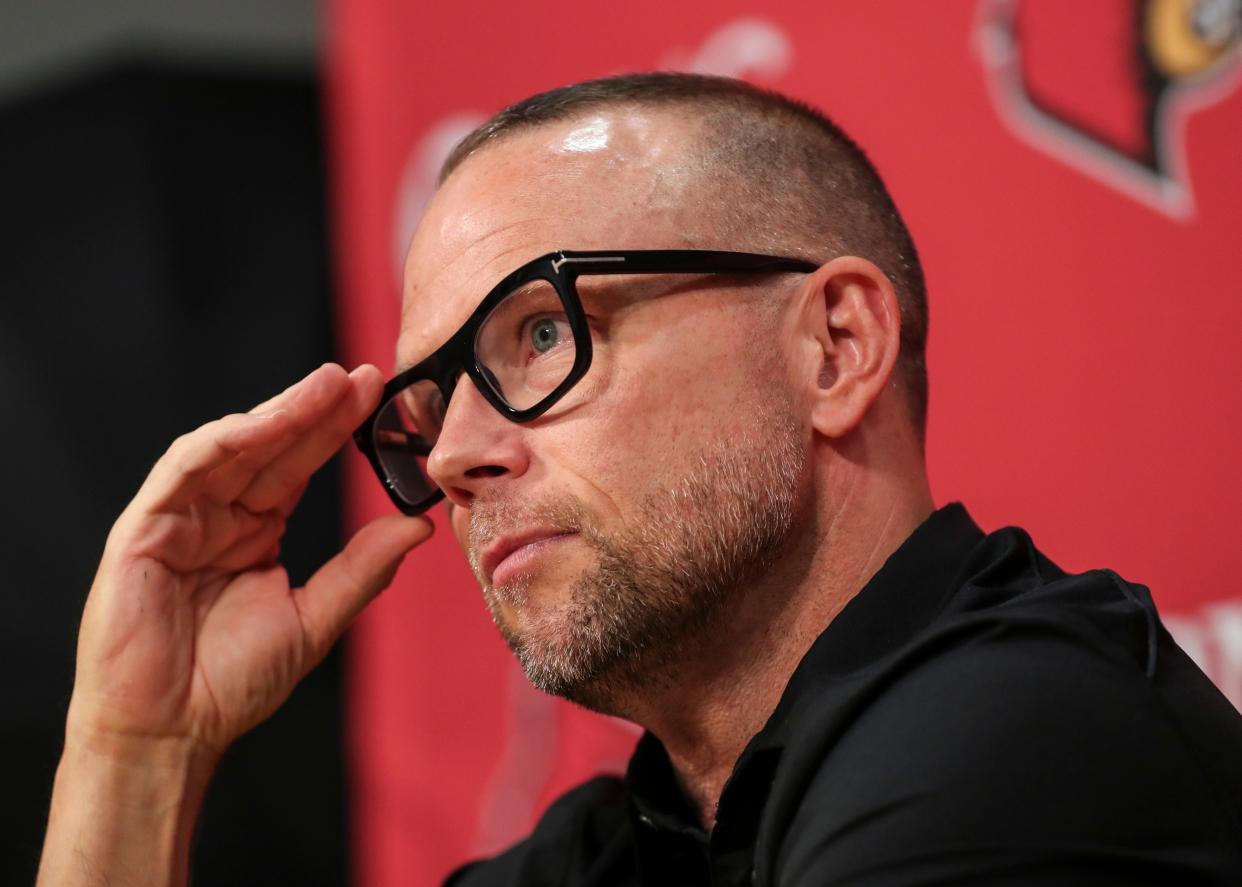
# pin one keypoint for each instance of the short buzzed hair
(793, 182)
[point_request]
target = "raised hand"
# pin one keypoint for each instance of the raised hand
(191, 633)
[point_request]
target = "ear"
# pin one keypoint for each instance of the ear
(853, 316)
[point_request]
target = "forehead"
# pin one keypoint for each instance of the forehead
(614, 179)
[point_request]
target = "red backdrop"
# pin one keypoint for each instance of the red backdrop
(1070, 173)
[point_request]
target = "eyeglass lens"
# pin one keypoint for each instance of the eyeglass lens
(405, 430)
(524, 349)
(525, 346)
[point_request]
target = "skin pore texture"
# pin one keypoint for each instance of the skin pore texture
(736, 464)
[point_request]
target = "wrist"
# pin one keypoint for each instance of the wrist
(93, 747)
(126, 806)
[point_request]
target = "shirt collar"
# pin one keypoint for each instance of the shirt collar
(912, 586)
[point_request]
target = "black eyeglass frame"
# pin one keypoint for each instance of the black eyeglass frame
(561, 269)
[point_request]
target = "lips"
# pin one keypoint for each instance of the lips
(507, 554)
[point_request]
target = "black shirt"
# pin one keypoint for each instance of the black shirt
(974, 716)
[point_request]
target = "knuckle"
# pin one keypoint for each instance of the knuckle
(282, 481)
(269, 490)
(180, 444)
(353, 574)
(178, 455)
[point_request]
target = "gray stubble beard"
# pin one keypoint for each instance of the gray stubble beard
(666, 583)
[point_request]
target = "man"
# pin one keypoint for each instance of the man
(691, 485)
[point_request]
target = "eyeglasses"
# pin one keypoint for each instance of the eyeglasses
(524, 347)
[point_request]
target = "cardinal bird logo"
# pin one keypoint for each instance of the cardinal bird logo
(1107, 86)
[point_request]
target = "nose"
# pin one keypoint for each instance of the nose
(477, 447)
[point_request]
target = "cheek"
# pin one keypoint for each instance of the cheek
(658, 408)
(608, 451)
(655, 399)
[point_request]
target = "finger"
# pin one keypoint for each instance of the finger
(305, 406)
(344, 585)
(178, 476)
(266, 560)
(319, 441)
(221, 539)
(286, 507)
(226, 482)
(190, 540)
(253, 549)
(326, 373)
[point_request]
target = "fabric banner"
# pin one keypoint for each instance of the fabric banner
(1070, 173)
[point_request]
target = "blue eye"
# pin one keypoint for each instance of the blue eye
(544, 335)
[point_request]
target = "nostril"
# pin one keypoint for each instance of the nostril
(486, 471)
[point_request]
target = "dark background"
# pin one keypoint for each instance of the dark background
(164, 261)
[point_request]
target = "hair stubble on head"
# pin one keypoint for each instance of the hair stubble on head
(779, 177)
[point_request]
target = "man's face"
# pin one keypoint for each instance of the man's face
(609, 533)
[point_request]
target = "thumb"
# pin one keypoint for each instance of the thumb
(344, 585)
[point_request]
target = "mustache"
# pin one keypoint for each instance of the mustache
(495, 518)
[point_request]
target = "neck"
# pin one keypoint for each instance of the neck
(724, 693)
